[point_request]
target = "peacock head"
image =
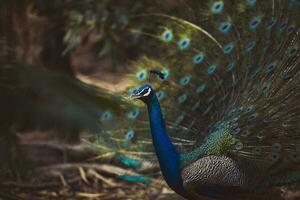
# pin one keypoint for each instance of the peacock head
(144, 93)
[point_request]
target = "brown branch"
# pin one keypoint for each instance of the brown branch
(12, 184)
(104, 168)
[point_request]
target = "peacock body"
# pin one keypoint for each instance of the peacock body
(224, 101)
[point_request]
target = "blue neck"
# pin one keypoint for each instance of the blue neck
(168, 157)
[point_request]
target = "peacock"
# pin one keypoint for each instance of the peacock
(221, 85)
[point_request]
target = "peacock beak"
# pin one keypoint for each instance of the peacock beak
(134, 96)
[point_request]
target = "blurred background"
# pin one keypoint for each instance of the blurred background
(58, 61)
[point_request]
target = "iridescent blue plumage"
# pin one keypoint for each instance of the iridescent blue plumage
(224, 27)
(168, 156)
(184, 43)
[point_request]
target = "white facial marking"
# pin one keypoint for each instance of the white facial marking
(148, 92)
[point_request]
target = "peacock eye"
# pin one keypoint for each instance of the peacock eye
(146, 92)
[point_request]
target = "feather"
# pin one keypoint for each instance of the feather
(230, 87)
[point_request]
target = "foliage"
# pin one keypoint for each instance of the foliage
(105, 22)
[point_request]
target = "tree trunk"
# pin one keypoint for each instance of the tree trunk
(32, 32)
(7, 33)
(53, 47)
